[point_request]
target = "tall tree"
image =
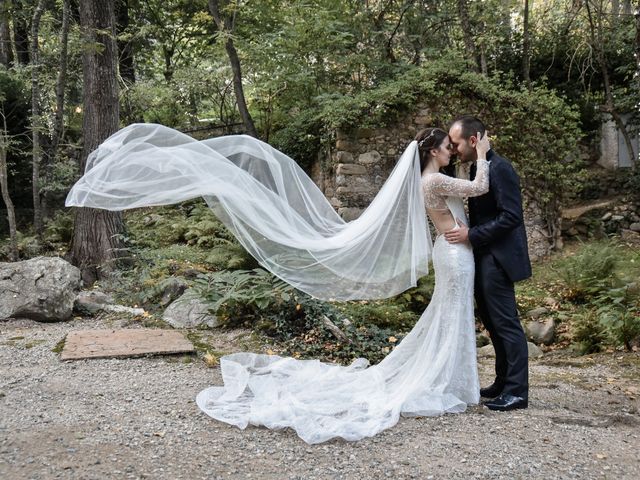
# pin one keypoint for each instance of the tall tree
(6, 51)
(125, 50)
(36, 120)
(58, 116)
(4, 186)
(469, 42)
(21, 32)
(224, 14)
(95, 244)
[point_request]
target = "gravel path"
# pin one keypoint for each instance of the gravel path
(136, 418)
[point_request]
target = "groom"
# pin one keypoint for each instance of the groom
(499, 243)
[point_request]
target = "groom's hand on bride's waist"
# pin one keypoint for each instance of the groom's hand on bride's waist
(459, 234)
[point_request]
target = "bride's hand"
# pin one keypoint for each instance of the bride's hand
(483, 146)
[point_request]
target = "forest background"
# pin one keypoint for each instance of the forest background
(293, 73)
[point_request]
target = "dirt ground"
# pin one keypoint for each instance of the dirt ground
(136, 418)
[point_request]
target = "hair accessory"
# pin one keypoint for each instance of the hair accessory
(421, 142)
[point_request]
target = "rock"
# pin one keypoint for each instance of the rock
(354, 190)
(123, 309)
(607, 216)
(91, 301)
(541, 332)
(617, 218)
(537, 312)
(534, 351)
(351, 169)
(369, 157)
(344, 144)
(635, 227)
(173, 288)
(344, 157)
(349, 213)
(486, 351)
(189, 311)
(630, 236)
(43, 289)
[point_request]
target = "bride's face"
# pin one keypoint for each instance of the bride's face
(442, 155)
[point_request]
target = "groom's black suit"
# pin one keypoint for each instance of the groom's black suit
(499, 243)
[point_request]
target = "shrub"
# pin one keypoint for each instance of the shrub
(589, 334)
(589, 272)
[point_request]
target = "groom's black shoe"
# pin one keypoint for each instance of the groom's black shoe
(492, 391)
(506, 402)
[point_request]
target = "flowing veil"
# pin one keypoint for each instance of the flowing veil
(273, 208)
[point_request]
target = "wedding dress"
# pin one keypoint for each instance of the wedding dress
(432, 371)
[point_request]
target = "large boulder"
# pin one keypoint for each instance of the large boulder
(541, 332)
(189, 311)
(43, 289)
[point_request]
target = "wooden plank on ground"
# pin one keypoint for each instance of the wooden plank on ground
(123, 343)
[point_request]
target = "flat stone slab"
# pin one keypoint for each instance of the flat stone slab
(123, 343)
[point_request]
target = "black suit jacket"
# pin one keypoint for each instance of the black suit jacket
(496, 220)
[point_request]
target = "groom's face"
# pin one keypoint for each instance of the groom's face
(461, 146)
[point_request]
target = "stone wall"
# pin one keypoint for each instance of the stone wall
(361, 161)
(352, 172)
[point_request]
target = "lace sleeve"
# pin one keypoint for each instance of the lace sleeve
(441, 184)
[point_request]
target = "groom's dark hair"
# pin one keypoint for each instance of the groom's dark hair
(470, 125)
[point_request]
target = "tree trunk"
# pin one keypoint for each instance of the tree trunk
(526, 46)
(58, 118)
(125, 51)
(61, 82)
(225, 26)
(96, 243)
(467, 33)
(636, 159)
(36, 121)
(6, 52)
(4, 188)
(20, 34)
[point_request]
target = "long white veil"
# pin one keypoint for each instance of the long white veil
(274, 209)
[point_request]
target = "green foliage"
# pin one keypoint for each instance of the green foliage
(246, 291)
(589, 334)
(386, 315)
(59, 229)
(257, 298)
(589, 272)
(28, 246)
(619, 313)
(606, 287)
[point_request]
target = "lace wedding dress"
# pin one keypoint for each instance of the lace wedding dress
(431, 372)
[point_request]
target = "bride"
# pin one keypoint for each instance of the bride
(286, 223)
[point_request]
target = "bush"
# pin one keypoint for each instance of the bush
(589, 334)
(589, 272)
(602, 278)
(258, 299)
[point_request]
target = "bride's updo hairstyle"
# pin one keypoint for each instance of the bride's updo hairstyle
(428, 139)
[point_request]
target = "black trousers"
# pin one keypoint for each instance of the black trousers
(496, 301)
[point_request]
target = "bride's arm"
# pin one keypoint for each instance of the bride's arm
(456, 187)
